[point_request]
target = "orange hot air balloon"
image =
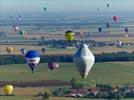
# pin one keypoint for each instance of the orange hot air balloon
(9, 49)
(81, 34)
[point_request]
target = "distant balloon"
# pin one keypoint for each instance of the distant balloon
(8, 89)
(32, 59)
(69, 35)
(126, 35)
(100, 29)
(115, 18)
(18, 18)
(90, 34)
(83, 60)
(81, 34)
(98, 9)
(16, 28)
(45, 9)
(107, 25)
(108, 5)
(21, 32)
(9, 49)
(52, 65)
(23, 51)
(43, 50)
(126, 29)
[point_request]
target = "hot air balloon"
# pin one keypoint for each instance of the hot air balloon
(8, 89)
(69, 35)
(45, 9)
(18, 18)
(32, 59)
(126, 35)
(23, 51)
(100, 29)
(16, 28)
(108, 5)
(21, 32)
(43, 50)
(107, 25)
(52, 65)
(83, 60)
(98, 9)
(115, 18)
(9, 49)
(81, 34)
(126, 29)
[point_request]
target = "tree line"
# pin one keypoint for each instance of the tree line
(104, 57)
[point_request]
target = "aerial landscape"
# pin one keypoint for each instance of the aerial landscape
(66, 50)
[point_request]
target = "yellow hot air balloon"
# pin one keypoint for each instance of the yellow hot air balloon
(9, 49)
(69, 35)
(8, 89)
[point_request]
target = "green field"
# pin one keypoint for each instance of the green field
(115, 73)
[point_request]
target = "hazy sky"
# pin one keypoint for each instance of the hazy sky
(22, 6)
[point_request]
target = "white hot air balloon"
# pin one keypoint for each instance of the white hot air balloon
(83, 60)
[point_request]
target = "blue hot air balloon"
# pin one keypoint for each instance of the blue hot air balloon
(32, 59)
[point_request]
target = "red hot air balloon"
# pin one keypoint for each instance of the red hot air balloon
(115, 18)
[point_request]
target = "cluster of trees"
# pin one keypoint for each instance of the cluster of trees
(104, 57)
(61, 91)
(44, 96)
(106, 91)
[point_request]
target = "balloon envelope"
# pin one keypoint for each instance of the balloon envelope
(16, 28)
(126, 29)
(100, 29)
(32, 59)
(8, 89)
(107, 25)
(21, 32)
(52, 65)
(43, 50)
(9, 49)
(45, 8)
(69, 35)
(83, 60)
(115, 18)
(23, 51)
(107, 5)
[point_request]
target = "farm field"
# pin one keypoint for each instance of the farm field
(115, 73)
(58, 51)
(123, 39)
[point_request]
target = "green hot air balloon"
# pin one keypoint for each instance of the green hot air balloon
(21, 32)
